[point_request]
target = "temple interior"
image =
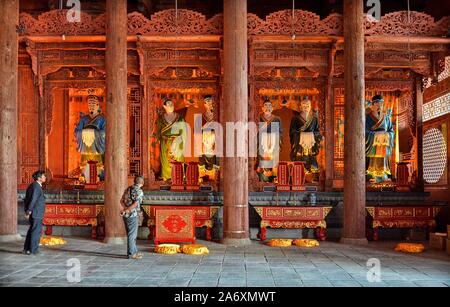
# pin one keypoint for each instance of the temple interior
(95, 111)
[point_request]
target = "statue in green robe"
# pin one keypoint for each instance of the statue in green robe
(171, 131)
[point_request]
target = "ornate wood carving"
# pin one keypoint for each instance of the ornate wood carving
(404, 24)
(165, 23)
(190, 22)
(303, 22)
(55, 23)
(161, 23)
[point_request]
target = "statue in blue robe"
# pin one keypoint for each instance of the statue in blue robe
(90, 133)
(379, 140)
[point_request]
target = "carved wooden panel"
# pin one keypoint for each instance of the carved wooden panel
(135, 131)
(189, 22)
(28, 134)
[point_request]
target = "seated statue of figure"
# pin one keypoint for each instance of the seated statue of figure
(305, 137)
(379, 140)
(269, 143)
(90, 134)
(208, 161)
(172, 135)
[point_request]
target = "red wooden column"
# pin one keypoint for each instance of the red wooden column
(9, 19)
(235, 109)
(354, 142)
(116, 118)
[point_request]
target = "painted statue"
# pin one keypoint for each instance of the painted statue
(379, 140)
(305, 136)
(269, 143)
(208, 161)
(90, 134)
(172, 135)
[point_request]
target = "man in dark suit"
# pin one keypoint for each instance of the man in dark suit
(34, 211)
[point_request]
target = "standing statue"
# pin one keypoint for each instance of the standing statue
(379, 140)
(172, 136)
(208, 161)
(90, 134)
(305, 137)
(269, 143)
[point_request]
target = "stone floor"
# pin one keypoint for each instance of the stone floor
(331, 264)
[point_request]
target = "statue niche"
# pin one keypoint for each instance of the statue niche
(90, 137)
(305, 138)
(379, 140)
(269, 143)
(169, 139)
(208, 161)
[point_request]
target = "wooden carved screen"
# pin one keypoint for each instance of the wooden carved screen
(135, 131)
(28, 127)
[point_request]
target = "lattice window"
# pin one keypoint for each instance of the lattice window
(437, 107)
(338, 164)
(135, 130)
(442, 76)
(446, 73)
(338, 167)
(434, 155)
(339, 133)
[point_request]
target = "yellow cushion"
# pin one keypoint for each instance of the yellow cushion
(167, 249)
(195, 249)
(410, 247)
(306, 242)
(280, 242)
(51, 241)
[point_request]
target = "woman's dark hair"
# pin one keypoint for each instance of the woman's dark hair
(37, 175)
(166, 100)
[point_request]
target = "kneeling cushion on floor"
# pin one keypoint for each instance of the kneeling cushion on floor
(167, 249)
(410, 247)
(195, 249)
(280, 242)
(52, 241)
(306, 242)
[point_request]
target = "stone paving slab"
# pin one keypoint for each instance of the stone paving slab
(330, 265)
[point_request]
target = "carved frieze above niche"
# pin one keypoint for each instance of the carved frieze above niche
(301, 23)
(193, 23)
(166, 22)
(190, 73)
(273, 73)
(76, 73)
(404, 24)
(298, 55)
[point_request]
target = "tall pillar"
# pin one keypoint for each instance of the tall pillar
(354, 135)
(419, 132)
(234, 110)
(9, 19)
(329, 121)
(116, 118)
